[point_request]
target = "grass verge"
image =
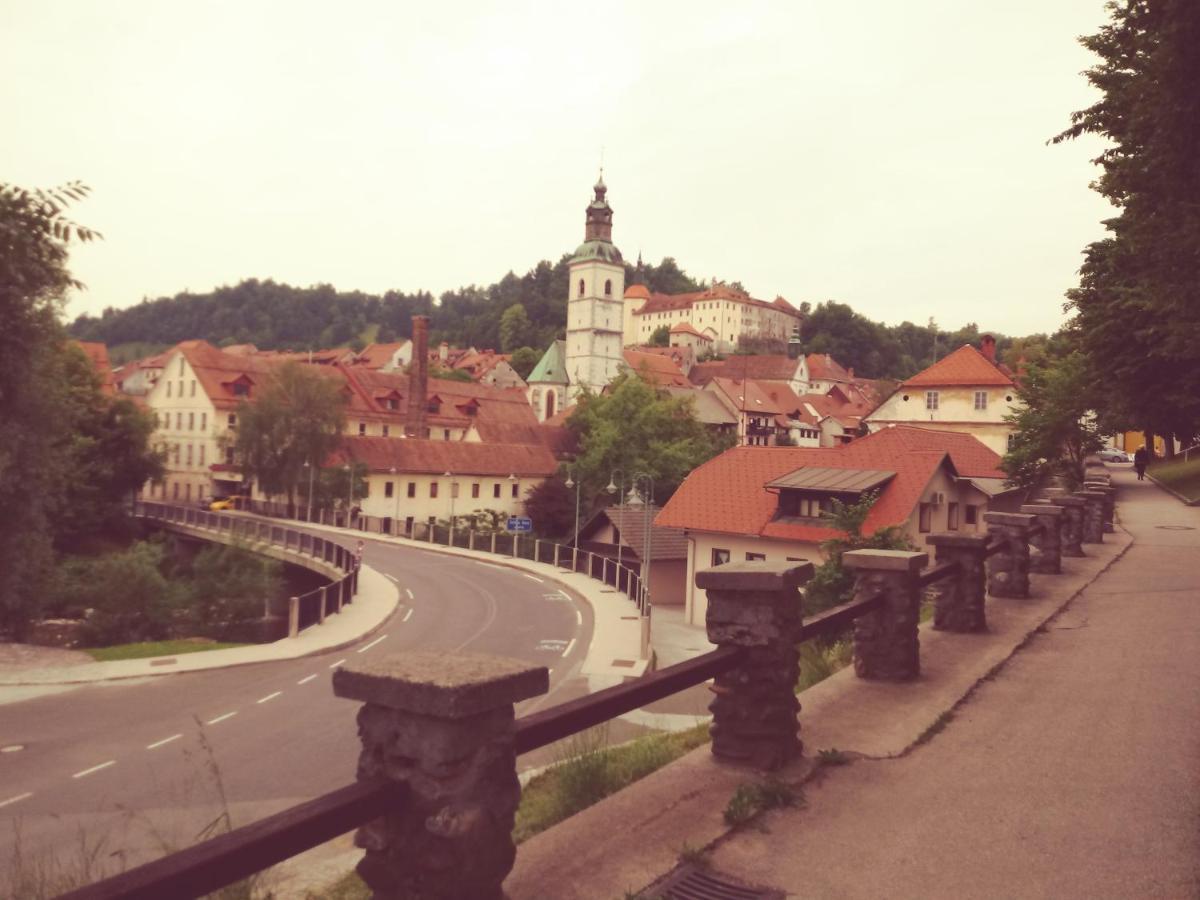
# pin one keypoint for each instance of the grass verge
(145, 649)
(818, 661)
(1183, 477)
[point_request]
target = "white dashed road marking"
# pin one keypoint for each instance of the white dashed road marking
(103, 765)
(534, 577)
(382, 637)
(268, 697)
(570, 647)
(221, 718)
(158, 744)
(578, 617)
(410, 593)
(306, 679)
(16, 799)
(407, 616)
(336, 664)
(392, 577)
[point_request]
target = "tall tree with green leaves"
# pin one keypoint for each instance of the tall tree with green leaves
(1137, 307)
(515, 328)
(297, 418)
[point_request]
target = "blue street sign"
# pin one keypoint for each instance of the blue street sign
(520, 523)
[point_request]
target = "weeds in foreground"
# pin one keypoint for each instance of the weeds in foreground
(938, 724)
(752, 798)
(833, 757)
(818, 661)
(693, 856)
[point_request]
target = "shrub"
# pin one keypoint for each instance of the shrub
(230, 584)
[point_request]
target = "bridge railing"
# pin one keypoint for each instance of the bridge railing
(444, 819)
(304, 610)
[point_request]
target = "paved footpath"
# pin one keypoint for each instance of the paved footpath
(1075, 773)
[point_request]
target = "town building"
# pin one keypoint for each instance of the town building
(967, 391)
(548, 384)
(721, 313)
(619, 533)
(765, 504)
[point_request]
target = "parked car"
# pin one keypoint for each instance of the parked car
(1113, 455)
(237, 501)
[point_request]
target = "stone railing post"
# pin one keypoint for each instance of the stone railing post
(1047, 560)
(756, 606)
(324, 604)
(441, 724)
(471, 539)
(293, 616)
(1110, 500)
(557, 550)
(1093, 516)
(1072, 532)
(885, 641)
(493, 542)
(1008, 570)
(960, 599)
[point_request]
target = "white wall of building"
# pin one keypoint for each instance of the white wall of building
(952, 409)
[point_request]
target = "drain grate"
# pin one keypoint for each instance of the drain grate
(1176, 527)
(689, 882)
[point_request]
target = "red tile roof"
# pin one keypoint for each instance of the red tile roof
(375, 356)
(655, 368)
(656, 302)
(823, 367)
(965, 367)
(685, 328)
(463, 458)
(727, 494)
(762, 367)
(97, 355)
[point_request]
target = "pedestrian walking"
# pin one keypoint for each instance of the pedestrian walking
(1140, 458)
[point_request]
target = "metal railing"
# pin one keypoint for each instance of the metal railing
(304, 610)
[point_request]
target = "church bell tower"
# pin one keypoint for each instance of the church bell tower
(596, 302)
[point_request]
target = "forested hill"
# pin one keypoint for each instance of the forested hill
(278, 316)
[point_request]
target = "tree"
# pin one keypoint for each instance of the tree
(661, 336)
(634, 428)
(298, 418)
(524, 360)
(1055, 428)
(230, 584)
(514, 328)
(551, 506)
(1135, 310)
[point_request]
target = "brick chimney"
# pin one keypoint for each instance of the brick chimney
(987, 346)
(418, 379)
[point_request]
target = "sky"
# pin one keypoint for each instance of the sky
(892, 156)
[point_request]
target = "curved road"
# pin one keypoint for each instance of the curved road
(133, 768)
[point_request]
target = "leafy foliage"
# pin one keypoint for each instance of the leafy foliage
(1135, 310)
(661, 336)
(1055, 428)
(515, 328)
(551, 506)
(831, 583)
(524, 360)
(230, 584)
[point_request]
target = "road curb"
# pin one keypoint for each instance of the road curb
(1174, 493)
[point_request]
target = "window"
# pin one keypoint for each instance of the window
(433, 488)
(515, 488)
(181, 368)
(168, 389)
(240, 389)
(971, 514)
(981, 399)
(608, 288)
(233, 420)
(385, 431)
(1012, 440)
(229, 456)
(191, 421)
(179, 421)
(175, 490)
(189, 454)
(719, 557)
(931, 399)
(475, 491)
(193, 393)
(203, 421)
(362, 429)
(187, 492)
(175, 453)
(580, 287)
(181, 387)
(408, 525)
(412, 489)
(926, 518)
(496, 490)
(756, 557)
(388, 489)
(454, 490)
(445, 434)
(201, 454)
(952, 517)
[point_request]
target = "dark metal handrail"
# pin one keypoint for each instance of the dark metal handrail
(836, 619)
(937, 573)
(227, 858)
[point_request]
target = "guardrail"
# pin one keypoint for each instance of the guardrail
(304, 610)
(456, 738)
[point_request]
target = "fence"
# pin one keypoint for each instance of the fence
(598, 566)
(299, 547)
(441, 824)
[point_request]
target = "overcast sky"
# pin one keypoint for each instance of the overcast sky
(887, 155)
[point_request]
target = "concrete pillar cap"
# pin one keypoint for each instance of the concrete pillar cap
(1042, 509)
(439, 684)
(885, 560)
(1003, 518)
(958, 540)
(1069, 501)
(755, 576)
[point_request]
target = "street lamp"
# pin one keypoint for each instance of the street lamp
(620, 493)
(453, 485)
(396, 495)
(311, 469)
(349, 491)
(572, 483)
(647, 480)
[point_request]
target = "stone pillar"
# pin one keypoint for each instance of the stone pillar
(1046, 557)
(1110, 500)
(1093, 516)
(321, 608)
(757, 606)
(960, 599)
(471, 539)
(1008, 570)
(1072, 531)
(885, 641)
(293, 616)
(493, 542)
(557, 551)
(441, 724)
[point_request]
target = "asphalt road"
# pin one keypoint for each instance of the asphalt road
(123, 771)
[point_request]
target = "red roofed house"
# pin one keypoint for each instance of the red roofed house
(765, 503)
(97, 355)
(655, 368)
(766, 411)
(684, 335)
(721, 313)
(411, 481)
(966, 391)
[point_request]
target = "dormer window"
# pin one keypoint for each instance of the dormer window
(810, 491)
(239, 387)
(433, 404)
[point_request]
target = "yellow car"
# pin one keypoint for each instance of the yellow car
(235, 502)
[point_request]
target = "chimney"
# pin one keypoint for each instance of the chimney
(418, 379)
(987, 346)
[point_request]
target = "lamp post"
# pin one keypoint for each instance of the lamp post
(396, 495)
(453, 485)
(620, 493)
(311, 469)
(349, 491)
(572, 483)
(647, 481)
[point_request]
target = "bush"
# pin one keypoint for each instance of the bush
(229, 585)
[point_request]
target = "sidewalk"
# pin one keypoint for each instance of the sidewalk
(1054, 756)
